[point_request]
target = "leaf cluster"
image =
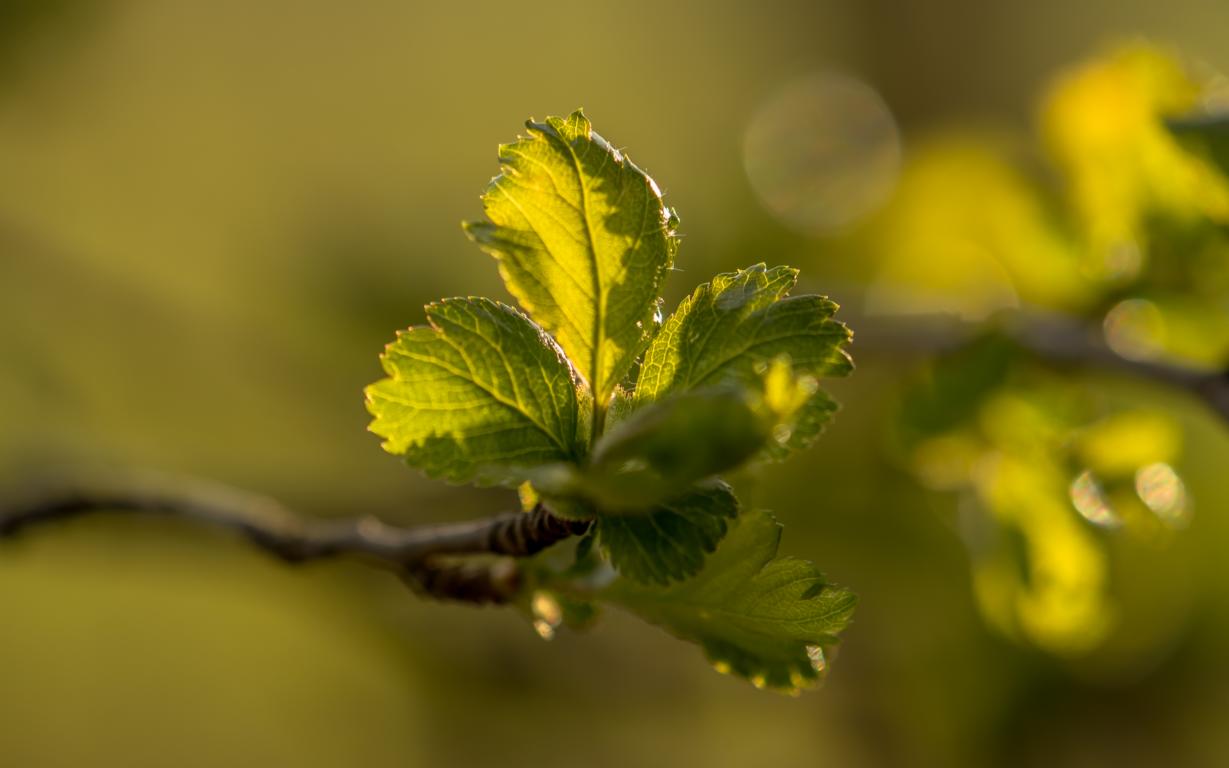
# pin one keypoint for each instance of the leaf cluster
(601, 410)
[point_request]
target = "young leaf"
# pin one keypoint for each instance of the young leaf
(730, 327)
(583, 242)
(757, 615)
(671, 540)
(662, 450)
(479, 394)
(739, 320)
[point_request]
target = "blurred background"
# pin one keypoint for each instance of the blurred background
(214, 215)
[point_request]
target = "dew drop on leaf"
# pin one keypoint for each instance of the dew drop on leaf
(671, 220)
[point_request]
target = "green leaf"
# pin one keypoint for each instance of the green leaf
(740, 320)
(671, 540)
(583, 242)
(808, 424)
(763, 617)
(479, 394)
(730, 327)
(662, 450)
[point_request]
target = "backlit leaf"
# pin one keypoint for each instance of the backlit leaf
(731, 327)
(763, 617)
(670, 540)
(583, 242)
(479, 394)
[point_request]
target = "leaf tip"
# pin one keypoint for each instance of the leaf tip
(579, 123)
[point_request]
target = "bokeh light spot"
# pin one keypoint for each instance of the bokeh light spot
(823, 152)
(1090, 502)
(1135, 329)
(547, 613)
(1159, 487)
(1123, 260)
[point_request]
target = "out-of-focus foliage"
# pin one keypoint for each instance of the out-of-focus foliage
(969, 232)
(1103, 123)
(1130, 226)
(1027, 450)
(1131, 237)
(1150, 209)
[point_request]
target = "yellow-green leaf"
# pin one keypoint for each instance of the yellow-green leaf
(583, 240)
(729, 329)
(482, 393)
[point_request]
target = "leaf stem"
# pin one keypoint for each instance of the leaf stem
(599, 421)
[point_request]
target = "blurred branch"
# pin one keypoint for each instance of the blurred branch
(1064, 342)
(419, 554)
(1052, 338)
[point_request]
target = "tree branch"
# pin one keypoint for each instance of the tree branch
(1051, 338)
(1063, 342)
(419, 554)
(433, 559)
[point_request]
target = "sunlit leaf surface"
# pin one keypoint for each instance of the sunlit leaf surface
(479, 394)
(731, 327)
(759, 616)
(583, 240)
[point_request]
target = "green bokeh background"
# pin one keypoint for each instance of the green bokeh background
(214, 214)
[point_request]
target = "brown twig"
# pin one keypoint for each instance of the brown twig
(425, 555)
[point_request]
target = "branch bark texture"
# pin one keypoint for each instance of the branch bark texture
(429, 557)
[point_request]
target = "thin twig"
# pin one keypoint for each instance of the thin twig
(1051, 338)
(418, 553)
(1061, 342)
